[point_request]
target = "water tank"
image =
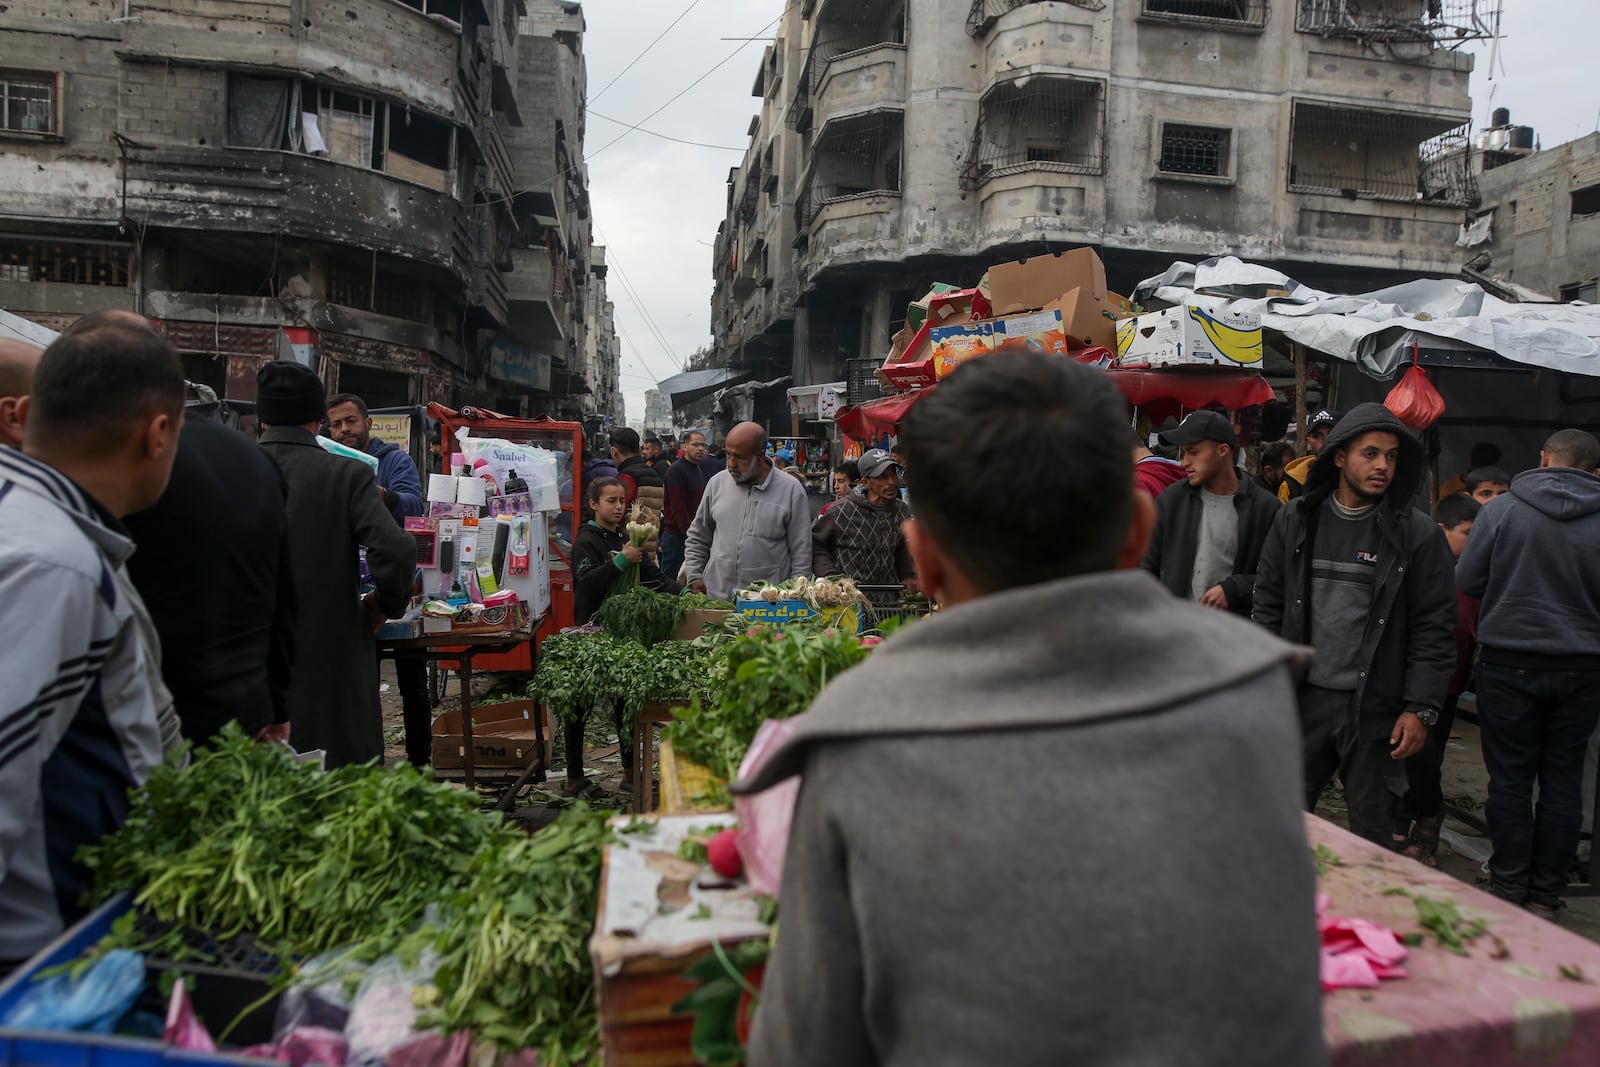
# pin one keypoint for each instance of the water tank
(1501, 116)
(1522, 137)
(1497, 138)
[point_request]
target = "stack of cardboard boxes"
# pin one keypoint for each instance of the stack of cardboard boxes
(1058, 305)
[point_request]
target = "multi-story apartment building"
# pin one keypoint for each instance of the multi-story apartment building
(284, 179)
(1538, 223)
(657, 412)
(902, 142)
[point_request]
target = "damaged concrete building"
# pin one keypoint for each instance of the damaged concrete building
(904, 142)
(331, 181)
(1538, 223)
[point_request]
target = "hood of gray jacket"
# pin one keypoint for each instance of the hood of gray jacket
(1563, 493)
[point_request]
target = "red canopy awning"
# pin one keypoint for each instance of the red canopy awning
(1159, 393)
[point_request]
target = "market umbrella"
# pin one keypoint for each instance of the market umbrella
(1160, 393)
(866, 421)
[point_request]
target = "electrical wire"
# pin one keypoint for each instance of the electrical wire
(667, 137)
(681, 16)
(613, 263)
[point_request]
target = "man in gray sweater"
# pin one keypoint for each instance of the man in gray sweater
(1016, 842)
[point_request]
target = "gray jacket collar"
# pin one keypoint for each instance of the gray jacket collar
(41, 479)
(1079, 650)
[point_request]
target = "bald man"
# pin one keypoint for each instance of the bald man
(753, 522)
(17, 362)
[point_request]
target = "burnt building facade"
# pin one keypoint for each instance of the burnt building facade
(284, 179)
(903, 142)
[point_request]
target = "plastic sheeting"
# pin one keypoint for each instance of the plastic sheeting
(1376, 330)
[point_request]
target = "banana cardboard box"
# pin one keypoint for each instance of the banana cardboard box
(1190, 335)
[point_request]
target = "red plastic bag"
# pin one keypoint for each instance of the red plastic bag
(1415, 401)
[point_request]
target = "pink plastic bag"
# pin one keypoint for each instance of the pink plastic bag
(764, 818)
(184, 1028)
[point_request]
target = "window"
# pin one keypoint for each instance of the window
(28, 102)
(63, 261)
(449, 9)
(1044, 123)
(1198, 150)
(856, 156)
(1586, 201)
(1251, 13)
(1588, 292)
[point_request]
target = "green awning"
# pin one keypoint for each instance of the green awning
(547, 222)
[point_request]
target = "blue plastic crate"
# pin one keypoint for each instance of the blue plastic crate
(40, 1048)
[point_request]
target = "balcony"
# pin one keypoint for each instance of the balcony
(1417, 236)
(538, 307)
(1405, 77)
(233, 190)
(854, 229)
(1047, 124)
(1371, 154)
(1438, 24)
(1042, 205)
(862, 81)
(1042, 36)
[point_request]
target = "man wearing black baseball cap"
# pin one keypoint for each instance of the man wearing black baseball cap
(1211, 526)
(1297, 471)
(861, 535)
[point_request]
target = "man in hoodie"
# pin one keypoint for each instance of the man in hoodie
(1351, 569)
(1531, 561)
(398, 481)
(1210, 528)
(1296, 471)
(1032, 671)
(401, 488)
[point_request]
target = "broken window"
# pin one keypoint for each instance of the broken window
(347, 123)
(984, 13)
(1237, 12)
(1042, 123)
(1586, 201)
(28, 102)
(446, 9)
(855, 156)
(63, 261)
(1362, 153)
(419, 148)
(1588, 292)
(1197, 150)
(1442, 23)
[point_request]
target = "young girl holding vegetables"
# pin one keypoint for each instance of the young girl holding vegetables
(601, 554)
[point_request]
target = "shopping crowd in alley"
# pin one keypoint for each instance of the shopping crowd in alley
(163, 576)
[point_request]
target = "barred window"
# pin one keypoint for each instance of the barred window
(1043, 123)
(1199, 150)
(1239, 12)
(27, 102)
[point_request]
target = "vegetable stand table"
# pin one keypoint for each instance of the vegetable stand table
(659, 914)
(461, 649)
(1527, 991)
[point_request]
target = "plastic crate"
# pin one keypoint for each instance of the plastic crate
(41, 1048)
(885, 602)
(861, 380)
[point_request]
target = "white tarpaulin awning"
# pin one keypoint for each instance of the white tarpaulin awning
(18, 328)
(1376, 330)
(816, 401)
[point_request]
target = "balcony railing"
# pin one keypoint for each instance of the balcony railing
(1441, 23)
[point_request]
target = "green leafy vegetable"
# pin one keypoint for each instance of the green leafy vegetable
(1444, 921)
(641, 615)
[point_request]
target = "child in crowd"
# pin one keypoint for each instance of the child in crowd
(600, 554)
(1486, 483)
(1421, 811)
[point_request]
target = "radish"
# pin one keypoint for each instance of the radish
(723, 853)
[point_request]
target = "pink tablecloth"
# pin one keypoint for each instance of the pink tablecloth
(1454, 1010)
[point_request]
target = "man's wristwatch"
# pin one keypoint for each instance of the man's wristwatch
(1429, 716)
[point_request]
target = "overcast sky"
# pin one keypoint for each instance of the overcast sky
(657, 203)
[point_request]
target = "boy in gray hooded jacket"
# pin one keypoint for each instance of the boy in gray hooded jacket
(972, 875)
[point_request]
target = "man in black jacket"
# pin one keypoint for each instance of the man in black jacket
(1210, 527)
(226, 615)
(1352, 570)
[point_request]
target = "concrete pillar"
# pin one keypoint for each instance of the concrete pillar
(800, 354)
(876, 343)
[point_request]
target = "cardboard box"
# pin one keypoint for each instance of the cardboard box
(694, 623)
(1073, 283)
(760, 610)
(1039, 331)
(503, 735)
(1190, 335)
(951, 346)
(917, 312)
(910, 364)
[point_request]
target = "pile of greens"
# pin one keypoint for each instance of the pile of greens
(247, 840)
(765, 673)
(580, 672)
(641, 615)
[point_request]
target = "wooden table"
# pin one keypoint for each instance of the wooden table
(653, 714)
(1471, 1011)
(461, 648)
(659, 913)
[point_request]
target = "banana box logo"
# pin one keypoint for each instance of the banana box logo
(1235, 338)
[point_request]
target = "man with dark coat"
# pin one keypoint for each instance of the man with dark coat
(1211, 526)
(401, 488)
(228, 657)
(685, 485)
(644, 484)
(1532, 560)
(1351, 569)
(864, 536)
(895, 949)
(334, 511)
